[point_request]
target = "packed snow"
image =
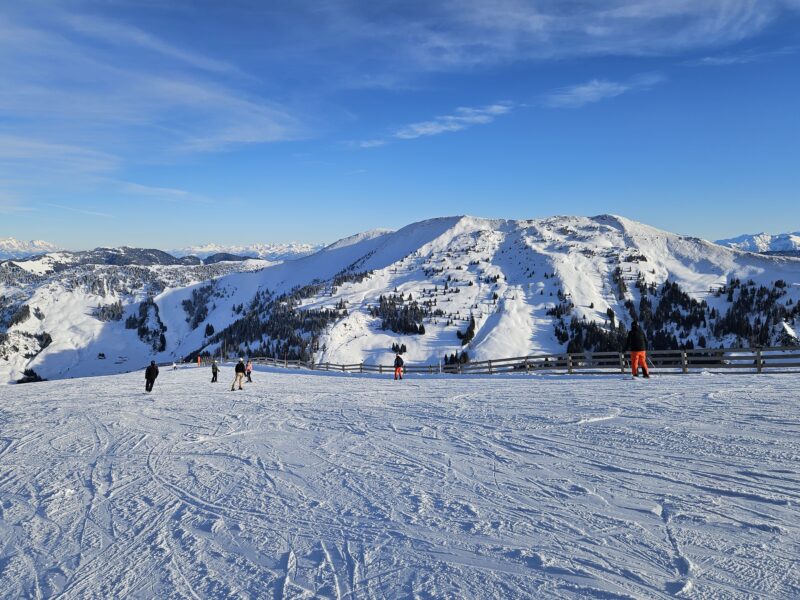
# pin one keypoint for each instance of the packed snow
(310, 485)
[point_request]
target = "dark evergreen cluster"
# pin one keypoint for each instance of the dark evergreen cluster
(109, 312)
(592, 337)
(22, 314)
(29, 376)
(278, 326)
(561, 309)
(148, 314)
(755, 312)
(399, 348)
(401, 314)
(196, 307)
(456, 358)
(349, 276)
(672, 320)
(467, 336)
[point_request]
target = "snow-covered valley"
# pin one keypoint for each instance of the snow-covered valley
(311, 485)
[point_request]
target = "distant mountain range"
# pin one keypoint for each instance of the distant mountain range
(782, 243)
(271, 252)
(460, 288)
(13, 248)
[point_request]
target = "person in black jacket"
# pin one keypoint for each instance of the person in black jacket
(214, 372)
(239, 370)
(637, 345)
(150, 374)
(398, 367)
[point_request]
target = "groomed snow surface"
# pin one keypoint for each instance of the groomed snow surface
(312, 485)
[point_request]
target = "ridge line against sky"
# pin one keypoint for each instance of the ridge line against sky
(160, 124)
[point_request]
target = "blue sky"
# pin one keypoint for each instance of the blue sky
(168, 123)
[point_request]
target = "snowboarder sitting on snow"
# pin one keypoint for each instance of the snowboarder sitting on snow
(249, 370)
(214, 372)
(398, 367)
(637, 344)
(240, 371)
(150, 374)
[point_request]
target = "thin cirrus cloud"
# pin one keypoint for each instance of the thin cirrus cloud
(118, 34)
(596, 90)
(743, 58)
(52, 72)
(462, 118)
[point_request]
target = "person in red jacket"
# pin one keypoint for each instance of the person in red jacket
(398, 367)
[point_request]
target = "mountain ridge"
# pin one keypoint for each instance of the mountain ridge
(443, 287)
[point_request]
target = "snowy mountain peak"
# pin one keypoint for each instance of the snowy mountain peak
(764, 242)
(11, 248)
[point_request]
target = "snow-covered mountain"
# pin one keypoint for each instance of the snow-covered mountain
(13, 248)
(271, 252)
(455, 287)
(765, 242)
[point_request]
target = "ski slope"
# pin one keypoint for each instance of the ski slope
(324, 486)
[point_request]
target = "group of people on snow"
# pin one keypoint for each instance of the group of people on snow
(636, 344)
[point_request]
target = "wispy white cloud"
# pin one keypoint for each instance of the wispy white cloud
(596, 90)
(742, 58)
(42, 154)
(462, 118)
(50, 76)
(121, 34)
(167, 194)
(81, 211)
(459, 34)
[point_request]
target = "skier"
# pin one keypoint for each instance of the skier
(249, 371)
(174, 366)
(637, 345)
(240, 371)
(214, 372)
(398, 367)
(150, 374)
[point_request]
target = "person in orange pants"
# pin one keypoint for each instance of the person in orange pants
(637, 344)
(398, 367)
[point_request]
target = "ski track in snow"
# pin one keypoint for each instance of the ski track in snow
(309, 485)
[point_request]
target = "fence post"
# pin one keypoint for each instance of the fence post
(490, 367)
(527, 366)
(622, 363)
(342, 368)
(327, 366)
(759, 362)
(361, 367)
(684, 361)
(569, 364)
(380, 369)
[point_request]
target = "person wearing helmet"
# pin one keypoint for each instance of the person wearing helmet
(239, 378)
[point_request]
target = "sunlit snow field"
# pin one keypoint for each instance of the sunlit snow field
(312, 485)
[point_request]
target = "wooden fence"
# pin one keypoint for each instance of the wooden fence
(754, 360)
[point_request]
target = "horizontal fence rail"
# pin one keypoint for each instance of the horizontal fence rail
(756, 360)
